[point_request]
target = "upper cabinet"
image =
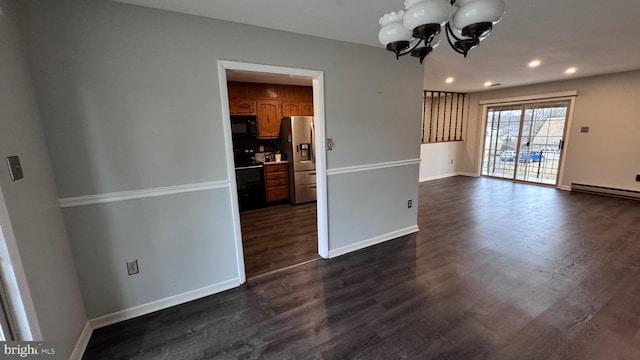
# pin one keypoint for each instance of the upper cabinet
(270, 103)
(306, 108)
(295, 108)
(269, 117)
(290, 108)
(242, 107)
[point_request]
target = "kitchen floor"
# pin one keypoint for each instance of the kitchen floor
(278, 236)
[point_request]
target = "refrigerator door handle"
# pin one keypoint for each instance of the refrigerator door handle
(312, 147)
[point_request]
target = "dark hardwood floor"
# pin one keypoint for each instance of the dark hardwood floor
(498, 271)
(278, 236)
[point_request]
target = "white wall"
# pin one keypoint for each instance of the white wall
(439, 160)
(131, 101)
(606, 156)
(35, 221)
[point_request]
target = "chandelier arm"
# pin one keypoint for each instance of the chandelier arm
(410, 50)
(448, 30)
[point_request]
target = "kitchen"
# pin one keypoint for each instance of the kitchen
(273, 142)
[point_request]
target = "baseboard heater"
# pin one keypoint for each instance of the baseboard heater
(607, 191)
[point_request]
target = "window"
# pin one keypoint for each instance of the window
(442, 116)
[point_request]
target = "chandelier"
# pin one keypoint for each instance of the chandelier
(416, 30)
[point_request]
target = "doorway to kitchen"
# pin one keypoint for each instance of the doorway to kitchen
(272, 134)
(283, 231)
(525, 142)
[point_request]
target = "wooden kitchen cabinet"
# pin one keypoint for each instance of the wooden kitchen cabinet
(276, 182)
(242, 107)
(290, 108)
(269, 117)
(306, 108)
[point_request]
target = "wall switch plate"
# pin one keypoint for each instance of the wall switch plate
(409, 204)
(132, 267)
(584, 129)
(15, 169)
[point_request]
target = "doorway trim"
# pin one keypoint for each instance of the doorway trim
(317, 78)
(569, 96)
(19, 308)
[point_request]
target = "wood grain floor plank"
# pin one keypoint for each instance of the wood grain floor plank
(278, 236)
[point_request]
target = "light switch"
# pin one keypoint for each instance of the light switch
(584, 129)
(15, 169)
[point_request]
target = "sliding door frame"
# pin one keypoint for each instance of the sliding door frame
(569, 96)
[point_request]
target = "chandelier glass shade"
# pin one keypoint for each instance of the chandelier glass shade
(415, 30)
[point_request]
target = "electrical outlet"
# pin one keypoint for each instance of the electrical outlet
(409, 204)
(132, 267)
(451, 161)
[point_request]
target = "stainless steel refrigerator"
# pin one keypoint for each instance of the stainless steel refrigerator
(297, 142)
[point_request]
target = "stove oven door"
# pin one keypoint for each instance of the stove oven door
(251, 191)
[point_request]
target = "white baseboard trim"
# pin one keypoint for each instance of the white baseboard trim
(81, 344)
(170, 301)
(373, 241)
(565, 187)
(437, 177)
(448, 175)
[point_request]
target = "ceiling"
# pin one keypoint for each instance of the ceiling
(586, 34)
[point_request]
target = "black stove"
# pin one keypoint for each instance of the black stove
(250, 180)
(245, 158)
(248, 164)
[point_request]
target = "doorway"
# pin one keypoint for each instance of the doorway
(6, 333)
(275, 178)
(281, 219)
(525, 142)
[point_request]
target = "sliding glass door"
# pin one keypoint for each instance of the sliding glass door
(501, 141)
(524, 142)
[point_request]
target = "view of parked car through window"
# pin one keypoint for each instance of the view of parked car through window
(524, 142)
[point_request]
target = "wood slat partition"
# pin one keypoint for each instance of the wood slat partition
(446, 122)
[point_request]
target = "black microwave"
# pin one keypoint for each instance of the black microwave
(244, 125)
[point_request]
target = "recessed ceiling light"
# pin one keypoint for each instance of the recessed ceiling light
(534, 63)
(571, 70)
(488, 83)
(449, 80)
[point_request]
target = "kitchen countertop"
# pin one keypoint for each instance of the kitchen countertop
(276, 162)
